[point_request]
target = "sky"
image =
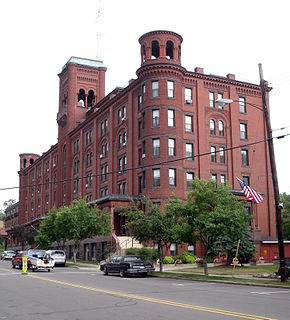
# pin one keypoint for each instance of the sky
(38, 37)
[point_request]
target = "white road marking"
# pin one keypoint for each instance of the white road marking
(269, 292)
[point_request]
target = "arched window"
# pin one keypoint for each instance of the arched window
(91, 98)
(212, 127)
(221, 129)
(169, 49)
(143, 54)
(155, 50)
(82, 97)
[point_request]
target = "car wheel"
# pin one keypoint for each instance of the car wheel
(122, 273)
(13, 266)
(33, 269)
(144, 274)
(105, 271)
(48, 270)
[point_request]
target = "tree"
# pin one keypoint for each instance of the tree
(79, 221)
(214, 216)
(153, 225)
(8, 203)
(25, 235)
(74, 222)
(285, 199)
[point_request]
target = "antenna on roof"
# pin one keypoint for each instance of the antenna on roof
(99, 27)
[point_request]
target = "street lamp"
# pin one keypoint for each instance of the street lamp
(222, 103)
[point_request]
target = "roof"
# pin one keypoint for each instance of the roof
(85, 62)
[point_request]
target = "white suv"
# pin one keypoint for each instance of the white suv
(58, 256)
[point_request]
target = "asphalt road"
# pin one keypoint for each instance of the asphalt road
(73, 294)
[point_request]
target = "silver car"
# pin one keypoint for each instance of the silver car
(8, 254)
(58, 256)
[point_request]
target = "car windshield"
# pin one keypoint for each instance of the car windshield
(132, 259)
(57, 253)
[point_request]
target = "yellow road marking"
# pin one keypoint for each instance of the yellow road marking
(155, 300)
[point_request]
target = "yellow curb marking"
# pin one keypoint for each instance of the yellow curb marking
(155, 300)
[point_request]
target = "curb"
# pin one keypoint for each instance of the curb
(223, 282)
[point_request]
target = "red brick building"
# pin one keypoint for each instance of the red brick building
(150, 138)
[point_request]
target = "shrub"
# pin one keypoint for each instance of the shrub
(168, 260)
(199, 260)
(187, 257)
(209, 260)
(147, 253)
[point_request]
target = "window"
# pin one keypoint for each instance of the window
(89, 137)
(106, 149)
(143, 92)
(189, 151)
(221, 128)
(144, 148)
(102, 128)
(155, 118)
(213, 154)
(214, 176)
(119, 116)
(124, 163)
(188, 123)
(170, 89)
(144, 179)
(143, 120)
(246, 180)
(106, 125)
(172, 177)
(124, 187)
(212, 127)
(189, 179)
(222, 155)
(139, 156)
(102, 173)
(123, 113)
(106, 171)
(139, 102)
(139, 128)
(223, 179)
(140, 184)
(120, 161)
(124, 138)
(211, 99)
(120, 141)
(171, 118)
(171, 147)
(245, 157)
(156, 177)
(243, 131)
(220, 96)
(76, 185)
(156, 147)
(155, 89)
(242, 104)
(188, 95)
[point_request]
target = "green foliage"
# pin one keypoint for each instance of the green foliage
(187, 257)
(74, 222)
(155, 225)
(285, 199)
(24, 235)
(168, 260)
(149, 254)
(2, 216)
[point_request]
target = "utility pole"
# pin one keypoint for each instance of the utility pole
(274, 177)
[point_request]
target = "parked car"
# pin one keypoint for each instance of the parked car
(41, 260)
(8, 254)
(58, 256)
(287, 267)
(127, 265)
(17, 259)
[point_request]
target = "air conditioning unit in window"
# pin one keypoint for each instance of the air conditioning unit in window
(143, 155)
(124, 143)
(101, 156)
(87, 185)
(123, 118)
(188, 101)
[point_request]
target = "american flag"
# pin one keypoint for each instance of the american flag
(250, 193)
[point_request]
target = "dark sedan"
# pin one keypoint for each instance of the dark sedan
(127, 265)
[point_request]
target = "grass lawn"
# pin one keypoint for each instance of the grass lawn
(228, 270)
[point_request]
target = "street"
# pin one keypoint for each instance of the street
(71, 294)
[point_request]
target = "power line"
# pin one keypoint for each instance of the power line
(147, 165)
